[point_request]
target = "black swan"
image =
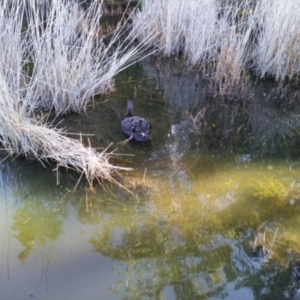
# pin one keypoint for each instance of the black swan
(137, 128)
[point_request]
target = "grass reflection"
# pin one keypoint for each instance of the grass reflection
(186, 235)
(35, 226)
(234, 223)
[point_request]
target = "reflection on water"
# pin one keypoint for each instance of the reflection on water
(212, 216)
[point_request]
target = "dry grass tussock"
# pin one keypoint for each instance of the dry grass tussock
(205, 32)
(278, 40)
(56, 60)
(227, 36)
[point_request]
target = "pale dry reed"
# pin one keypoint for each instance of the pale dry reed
(57, 62)
(21, 135)
(71, 62)
(205, 32)
(228, 36)
(278, 39)
(172, 20)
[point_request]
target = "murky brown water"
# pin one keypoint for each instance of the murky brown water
(215, 213)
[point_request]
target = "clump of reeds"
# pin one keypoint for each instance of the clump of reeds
(206, 33)
(53, 58)
(71, 62)
(278, 39)
(227, 37)
(23, 135)
(180, 26)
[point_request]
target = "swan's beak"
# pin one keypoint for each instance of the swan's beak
(146, 135)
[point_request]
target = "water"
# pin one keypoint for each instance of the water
(214, 215)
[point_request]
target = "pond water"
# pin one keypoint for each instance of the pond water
(214, 212)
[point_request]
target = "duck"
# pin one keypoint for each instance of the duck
(135, 127)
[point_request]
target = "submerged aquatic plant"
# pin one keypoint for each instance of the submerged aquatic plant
(54, 58)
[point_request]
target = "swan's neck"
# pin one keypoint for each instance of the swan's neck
(129, 112)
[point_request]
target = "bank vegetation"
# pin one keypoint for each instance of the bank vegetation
(227, 39)
(55, 57)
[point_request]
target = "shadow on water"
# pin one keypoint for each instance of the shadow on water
(215, 213)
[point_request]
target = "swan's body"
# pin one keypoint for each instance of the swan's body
(137, 128)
